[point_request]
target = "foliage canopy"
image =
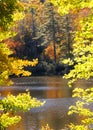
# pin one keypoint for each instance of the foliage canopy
(10, 65)
(83, 59)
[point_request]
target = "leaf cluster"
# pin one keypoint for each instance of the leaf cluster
(11, 104)
(83, 52)
(85, 97)
(10, 65)
(7, 8)
(46, 128)
(65, 6)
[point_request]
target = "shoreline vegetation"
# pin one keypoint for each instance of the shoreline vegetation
(52, 32)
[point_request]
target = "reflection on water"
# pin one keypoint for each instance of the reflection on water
(40, 87)
(57, 95)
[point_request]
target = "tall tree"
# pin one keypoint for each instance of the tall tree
(67, 36)
(29, 33)
(56, 29)
(49, 26)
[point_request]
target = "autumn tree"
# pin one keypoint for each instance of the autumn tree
(10, 65)
(49, 51)
(56, 29)
(83, 52)
(28, 31)
(49, 27)
(69, 35)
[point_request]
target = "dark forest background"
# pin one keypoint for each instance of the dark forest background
(46, 35)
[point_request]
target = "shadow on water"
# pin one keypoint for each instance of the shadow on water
(57, 95)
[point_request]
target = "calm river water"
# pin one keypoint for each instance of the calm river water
(55, 92)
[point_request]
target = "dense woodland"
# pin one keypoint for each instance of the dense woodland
(44, 34)
(52, 37)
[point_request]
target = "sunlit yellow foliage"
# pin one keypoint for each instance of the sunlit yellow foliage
(86, 97)
(83, 59)
(6, 121)
(65, 6)
(10, 66)
(11, 104)
(83, 41)
(21, 102)
(18, 16)
(18, 66)
(46, 128)
(78, 127)
(83, 51)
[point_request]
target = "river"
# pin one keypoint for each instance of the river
(56, 93)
